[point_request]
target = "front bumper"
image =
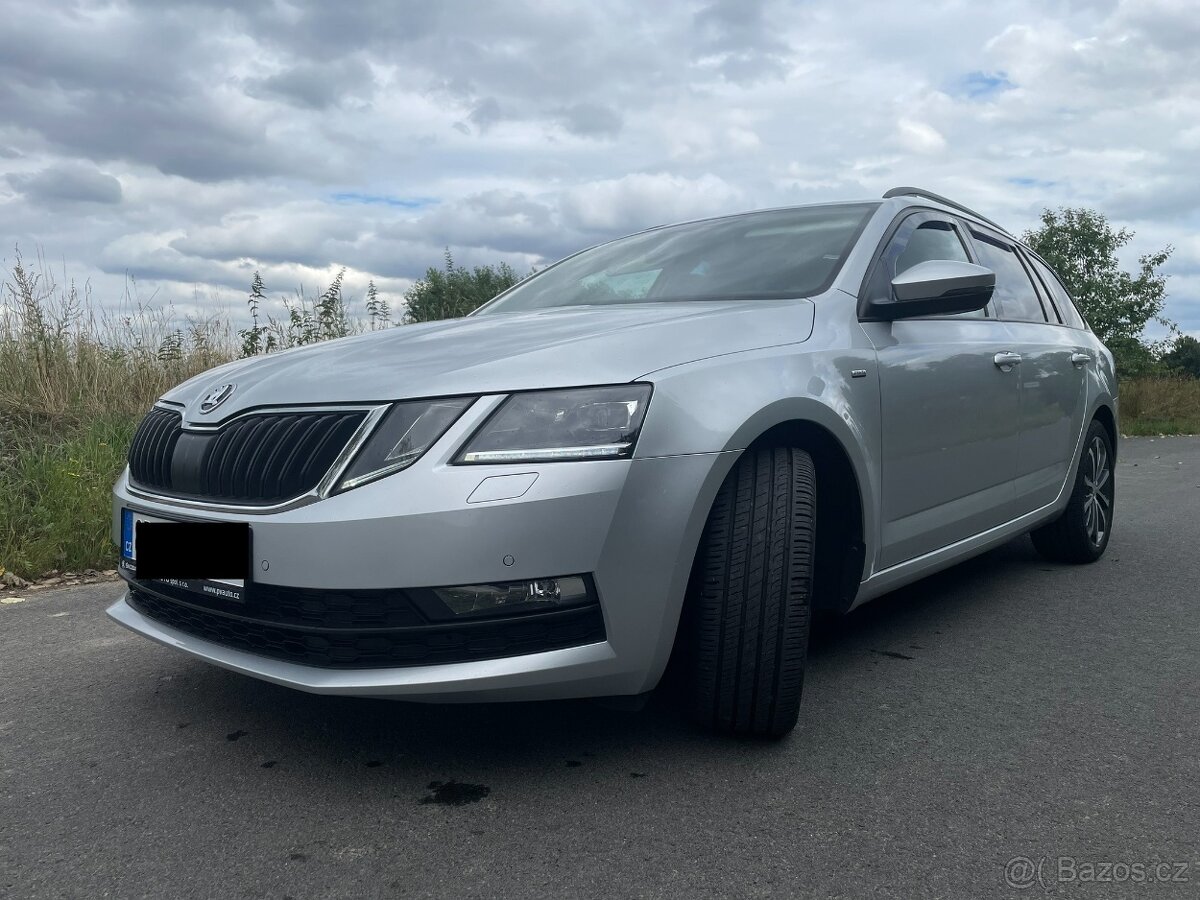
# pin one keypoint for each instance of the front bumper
(573, 672)
(632, 524)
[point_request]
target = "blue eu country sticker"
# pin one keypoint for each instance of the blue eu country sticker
(127, 533)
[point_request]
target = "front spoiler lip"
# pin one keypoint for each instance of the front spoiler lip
(462, 681)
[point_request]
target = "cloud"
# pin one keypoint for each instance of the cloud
(918, 137)
(639, 201)
(67, 183)
(317, 85)
(591, 120)
(383, 200)
(743, 38)
(486, 113)
(190, 143)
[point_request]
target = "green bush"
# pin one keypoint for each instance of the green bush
(1184, 357)
(453, 291)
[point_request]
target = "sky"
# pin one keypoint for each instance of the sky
(185, 145)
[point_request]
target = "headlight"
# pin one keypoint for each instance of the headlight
(406, 432)
(579, 423)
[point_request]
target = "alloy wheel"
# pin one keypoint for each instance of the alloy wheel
(1097, 504)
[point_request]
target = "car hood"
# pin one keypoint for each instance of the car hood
(500, 353)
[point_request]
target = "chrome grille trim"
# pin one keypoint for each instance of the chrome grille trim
(328, 480)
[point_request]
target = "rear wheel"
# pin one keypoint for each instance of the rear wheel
(1081, 533)
(750, 601)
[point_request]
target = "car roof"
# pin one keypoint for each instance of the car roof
(946, 203)
(903, 197)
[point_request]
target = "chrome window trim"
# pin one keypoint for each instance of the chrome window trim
(324, 487)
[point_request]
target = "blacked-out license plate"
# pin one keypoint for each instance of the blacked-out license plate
(212, 558)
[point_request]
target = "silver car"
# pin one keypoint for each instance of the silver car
(677, 443)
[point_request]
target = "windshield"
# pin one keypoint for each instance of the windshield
(765, 255)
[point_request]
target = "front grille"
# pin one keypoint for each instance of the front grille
(153, 447)
(269, 624)
(255, 460)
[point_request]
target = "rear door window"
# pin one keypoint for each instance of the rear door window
(1066, 307)
(1015, 294)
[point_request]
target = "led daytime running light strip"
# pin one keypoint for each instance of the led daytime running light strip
(544, 453)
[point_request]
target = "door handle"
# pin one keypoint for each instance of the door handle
(1080, 359)
(1006, 359)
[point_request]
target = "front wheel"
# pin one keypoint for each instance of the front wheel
(1081, 533)
(750, 602)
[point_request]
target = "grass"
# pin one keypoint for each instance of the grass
(75, 381)
(55, 497)
(1153, 406)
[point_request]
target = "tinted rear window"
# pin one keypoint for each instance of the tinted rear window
(1062, 300)
(767, 255)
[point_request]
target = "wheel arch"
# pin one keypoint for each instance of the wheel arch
(845, 520)
(841, 520)
(1105, 416)
(842, 513)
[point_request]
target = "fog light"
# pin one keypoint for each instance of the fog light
(543, 594)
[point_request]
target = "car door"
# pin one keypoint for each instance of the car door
(1052, 376)
(949, 411)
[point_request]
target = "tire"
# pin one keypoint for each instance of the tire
(1081, 533)
(750, 599)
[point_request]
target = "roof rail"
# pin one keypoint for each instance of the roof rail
(938, 198)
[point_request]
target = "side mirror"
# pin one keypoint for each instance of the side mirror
(937, 287)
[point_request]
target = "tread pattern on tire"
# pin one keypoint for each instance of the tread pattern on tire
(1065, 539)
(750, 635)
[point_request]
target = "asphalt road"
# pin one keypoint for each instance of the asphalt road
(1006, 708)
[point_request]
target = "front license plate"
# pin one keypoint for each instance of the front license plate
(210, 558)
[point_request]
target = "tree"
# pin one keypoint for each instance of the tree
(453, 291)
(1184, 357)
(1082, 247)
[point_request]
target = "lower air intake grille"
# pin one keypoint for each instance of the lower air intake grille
(259, 627)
